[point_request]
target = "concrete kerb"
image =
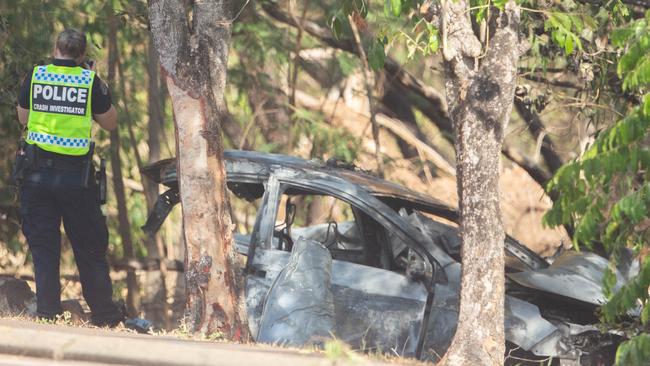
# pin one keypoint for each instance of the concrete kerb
(29, 339)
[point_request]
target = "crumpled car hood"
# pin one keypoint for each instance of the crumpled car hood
(576, 275)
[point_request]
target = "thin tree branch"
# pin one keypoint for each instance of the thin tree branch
(533, 169)
(558, 83)
(641, 3)
(124, 225)
(537, 129)
(293, 75)
(369, 82)
(129, 120)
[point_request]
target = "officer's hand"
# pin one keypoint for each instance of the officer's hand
(89, 65)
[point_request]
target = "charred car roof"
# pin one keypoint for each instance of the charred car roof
(257, 166)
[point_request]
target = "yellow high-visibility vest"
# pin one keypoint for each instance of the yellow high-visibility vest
(60, 117)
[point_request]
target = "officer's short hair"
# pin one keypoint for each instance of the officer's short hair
(71, 43)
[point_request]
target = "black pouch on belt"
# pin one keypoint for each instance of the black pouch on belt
(23, 163)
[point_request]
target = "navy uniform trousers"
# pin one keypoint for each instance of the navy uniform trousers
(52, 192)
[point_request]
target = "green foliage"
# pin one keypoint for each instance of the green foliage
(635, 352)
(605, 194)
(634, 65)
(566, 29)
(374, 47)
(423, 39)
(632, 295)
(339, 22)
(376, 54)
(393, 7)
(481, 7)
(620, 10)
(260, 41)
(338, 351)
(397, 8)
(347, 63)
(326, 139)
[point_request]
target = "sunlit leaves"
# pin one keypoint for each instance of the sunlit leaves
(392, 7)
(620, 11)
(358, 10)
(423, 40)
(433, 41)
(634, 65)
(565, 30)
(396, 8)
(481, 7)
(630, 129)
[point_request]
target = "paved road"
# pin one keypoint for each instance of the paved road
(41, 344)
(10, 360)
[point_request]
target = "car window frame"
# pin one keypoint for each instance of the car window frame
(281, 179)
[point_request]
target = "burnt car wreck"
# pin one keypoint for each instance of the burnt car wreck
(387, 278)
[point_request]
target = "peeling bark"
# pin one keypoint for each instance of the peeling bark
(193, 56)
(480, 92)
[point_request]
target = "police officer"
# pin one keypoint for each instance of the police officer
(57, 104)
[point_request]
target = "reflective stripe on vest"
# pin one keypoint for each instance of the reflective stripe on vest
(60, 116)
(42, 74)
(42, 138)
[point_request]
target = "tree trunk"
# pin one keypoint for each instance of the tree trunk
(154, 303)
(480, 90)
(124, 228)
(193, 55)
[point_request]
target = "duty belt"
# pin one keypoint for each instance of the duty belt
(58, 164)
(45, 159)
